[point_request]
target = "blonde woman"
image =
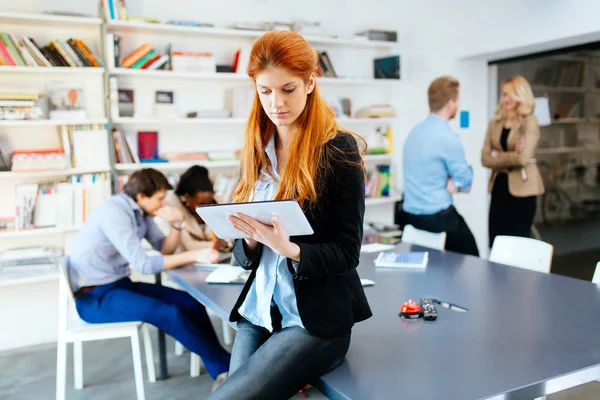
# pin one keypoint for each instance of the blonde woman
(509, 150)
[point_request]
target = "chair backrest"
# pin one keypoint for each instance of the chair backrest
(521, 252)
(412, 235)
(596, 278)
(67, 312)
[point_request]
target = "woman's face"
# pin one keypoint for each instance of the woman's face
(199, 199)
(282, 95)
(508, 102)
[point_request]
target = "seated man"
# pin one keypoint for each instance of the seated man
(109, 244)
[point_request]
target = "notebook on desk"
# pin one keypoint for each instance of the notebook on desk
(228, 274)
(413, 259)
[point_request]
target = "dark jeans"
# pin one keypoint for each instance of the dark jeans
(173, 311)
(276, 366)
(459, 237)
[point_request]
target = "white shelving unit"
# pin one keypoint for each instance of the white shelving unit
(4, 69)
(141, 26)
(51, 122)
(48, 20)
(377, 201)
(38, 232)
(27, 277)
(228, 76)
(176, 166)
(52, 173)
(226, 121)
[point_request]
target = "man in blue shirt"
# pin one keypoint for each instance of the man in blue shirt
(435, 168)
(109, 243)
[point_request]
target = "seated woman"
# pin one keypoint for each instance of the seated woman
(195, 188)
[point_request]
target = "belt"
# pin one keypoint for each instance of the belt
(83, 291)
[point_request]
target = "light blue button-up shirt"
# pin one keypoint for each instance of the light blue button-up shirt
(433, 153)
(273, 281)
(110, 242)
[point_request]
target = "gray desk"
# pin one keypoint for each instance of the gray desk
(526, 334)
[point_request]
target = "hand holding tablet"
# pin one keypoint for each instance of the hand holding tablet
(290, 215)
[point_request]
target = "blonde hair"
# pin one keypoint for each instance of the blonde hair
(520, 91)
(441, 91)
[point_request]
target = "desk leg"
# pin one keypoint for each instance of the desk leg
(162, 349)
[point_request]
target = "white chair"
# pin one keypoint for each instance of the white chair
(412, 235)
(596, 278)
(522, 252)
(72, 329)
(195, 360)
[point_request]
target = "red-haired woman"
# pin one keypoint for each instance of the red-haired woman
(296, 311)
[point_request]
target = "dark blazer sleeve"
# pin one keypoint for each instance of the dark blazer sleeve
(345, 188)
(247, 261)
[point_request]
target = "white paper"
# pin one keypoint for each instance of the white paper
(375, 247)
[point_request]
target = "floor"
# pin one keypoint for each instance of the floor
(30, 374)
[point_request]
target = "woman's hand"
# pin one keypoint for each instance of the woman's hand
(520, 145)
(274, 237)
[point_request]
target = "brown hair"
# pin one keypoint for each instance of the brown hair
(317, 124)
(441, 91)
(146, 181)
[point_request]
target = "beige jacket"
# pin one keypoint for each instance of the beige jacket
(510, 161)
(195, 235)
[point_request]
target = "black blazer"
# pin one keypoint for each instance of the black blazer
(329, 294)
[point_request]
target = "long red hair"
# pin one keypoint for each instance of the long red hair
(315, 126)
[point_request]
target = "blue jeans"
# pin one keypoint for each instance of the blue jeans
(173, 311)
(276, 366)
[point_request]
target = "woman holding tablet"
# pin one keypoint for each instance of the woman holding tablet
(297, 309)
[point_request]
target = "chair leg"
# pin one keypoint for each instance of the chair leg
(178, 348)
(195, 365)
(137, 365)
(78, 364)
(227, 336)
(61, 369)
(149, 353)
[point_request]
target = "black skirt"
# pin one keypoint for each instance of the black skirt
(509, 215)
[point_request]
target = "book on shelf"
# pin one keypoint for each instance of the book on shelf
(60, 204)
(243, 98)
(376, 111)
(66, 103)
(114, 10)
(86, 144)
(378, 182)
(16, 50)
(190, 61)
(325, 65)
(241, 60)
(18, 105)
(126, 103)
(378, 35)
(164, 104)
(147, 145)
(38, 160)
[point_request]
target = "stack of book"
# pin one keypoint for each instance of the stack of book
(143, 57)
(376, 111)
(38, 160)
(85, 146)
(24, 51)
(378, 182)
(20, 105)
(123, 148)
(64, 204)
(114, 9)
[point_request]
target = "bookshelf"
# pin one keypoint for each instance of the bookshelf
(150, 27)
(228, 76)
(223, 121)
(4, 69)
(51, 123)
(28, 277)
(52, 173)
(48, 20)
(38, 232)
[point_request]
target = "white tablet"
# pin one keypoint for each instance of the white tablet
(289, 212)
